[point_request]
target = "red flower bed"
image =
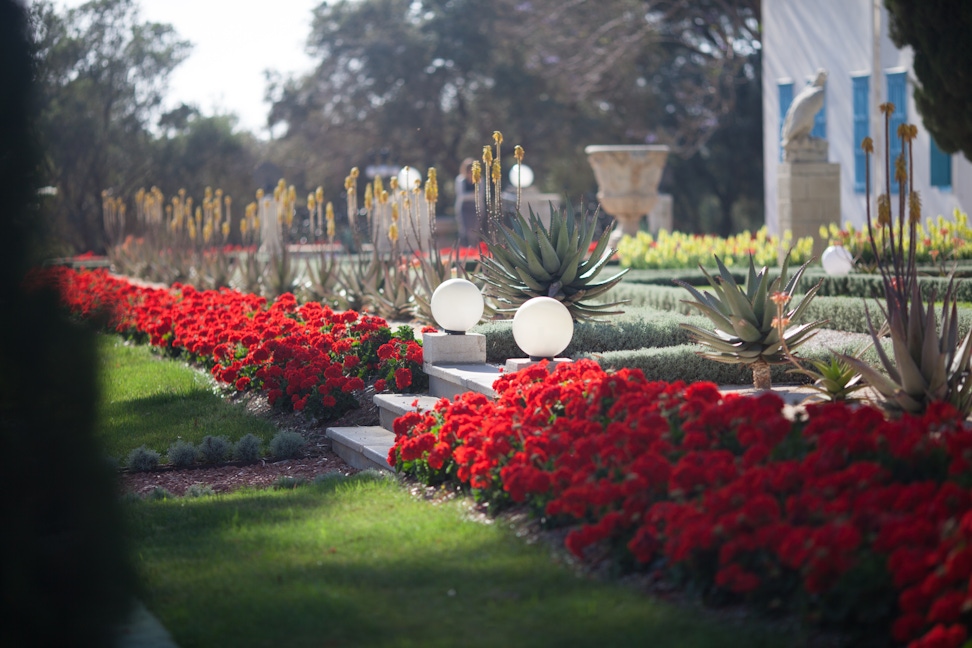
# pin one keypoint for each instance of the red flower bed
(306, 357)
(847, 516)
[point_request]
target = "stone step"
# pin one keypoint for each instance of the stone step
(363, 446)
(391, 406)
(448, 380)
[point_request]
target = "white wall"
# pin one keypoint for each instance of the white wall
(838, 35)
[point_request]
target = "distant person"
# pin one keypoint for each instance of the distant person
(472, 225)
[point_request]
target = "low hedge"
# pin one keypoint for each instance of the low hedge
(843, 313)
(637, 328)
(651, 340)
(871, 286)
(852, 285)
(682, 362)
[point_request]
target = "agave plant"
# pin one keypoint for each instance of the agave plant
(925, 366)
(528, 259)
(433, 269)
(282, 275)
(929, 363)
(393, 300)
(834, 379)
(746, 325)
(322, 274)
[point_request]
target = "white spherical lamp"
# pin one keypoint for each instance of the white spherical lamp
(521, 176)
(542, 327)
(457, 305)
(407, 178)
(837, 261)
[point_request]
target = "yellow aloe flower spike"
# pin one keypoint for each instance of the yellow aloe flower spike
(914, 208)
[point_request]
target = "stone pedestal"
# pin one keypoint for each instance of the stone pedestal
(809, 196)
(531, 199)
(443, 348)
(515, 364)
(660, 217)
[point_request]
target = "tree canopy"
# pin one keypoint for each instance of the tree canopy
(426, 82)
(936, 31)
(412, 82)
(102, 76)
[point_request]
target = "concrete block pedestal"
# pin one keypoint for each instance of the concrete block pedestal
(515, 364)
(445, 348)
(809, 196)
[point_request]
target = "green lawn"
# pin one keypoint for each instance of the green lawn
(354, 561)
(148, 400)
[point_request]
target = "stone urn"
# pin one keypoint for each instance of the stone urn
(627, 182)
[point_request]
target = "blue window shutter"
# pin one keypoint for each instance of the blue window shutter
(897, 96)
(786, 98)
(941, 167)
(861, 87)
(820, 121)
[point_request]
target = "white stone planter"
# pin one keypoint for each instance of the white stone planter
(627, 180)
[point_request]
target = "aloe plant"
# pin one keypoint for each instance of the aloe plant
(528, 259)
(928, 362)
(746, 329)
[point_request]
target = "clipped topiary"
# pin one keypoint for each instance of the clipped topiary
(182, 454)
(249, 448)
(214, 449)
(142, 459)
(286, 444)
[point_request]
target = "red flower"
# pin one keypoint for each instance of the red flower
(403, 377)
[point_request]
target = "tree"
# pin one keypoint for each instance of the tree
(102, 77)
(200, 151)
(429, 81)
(719, 188)
(936, 31)
(665, 71)
(65, 575)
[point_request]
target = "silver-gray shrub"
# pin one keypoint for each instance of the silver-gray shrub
(182, 454)
(143, 459)
(249, 448)
(214, 449)
(286, 444)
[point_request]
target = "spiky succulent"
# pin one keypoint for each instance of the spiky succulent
(528, 259)
(745, 318)
(925, 366)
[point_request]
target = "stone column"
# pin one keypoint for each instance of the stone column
(808, 193)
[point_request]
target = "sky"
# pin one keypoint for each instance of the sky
(234, 41)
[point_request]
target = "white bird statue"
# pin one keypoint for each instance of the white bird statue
(799, 116)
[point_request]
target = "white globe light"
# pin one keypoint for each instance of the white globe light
(837, 261)
(407, 178)
(457, 305)
(521, 175)
(542, 327)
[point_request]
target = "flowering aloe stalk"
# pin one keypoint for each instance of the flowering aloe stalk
(929, 363)
(746, 329)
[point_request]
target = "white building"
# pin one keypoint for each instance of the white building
(849, 39)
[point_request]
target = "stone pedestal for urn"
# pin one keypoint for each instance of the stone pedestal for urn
(627, 182)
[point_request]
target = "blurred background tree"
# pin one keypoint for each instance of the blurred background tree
(102, 77)
(936, 31)
(65, 574)
(420, 83)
